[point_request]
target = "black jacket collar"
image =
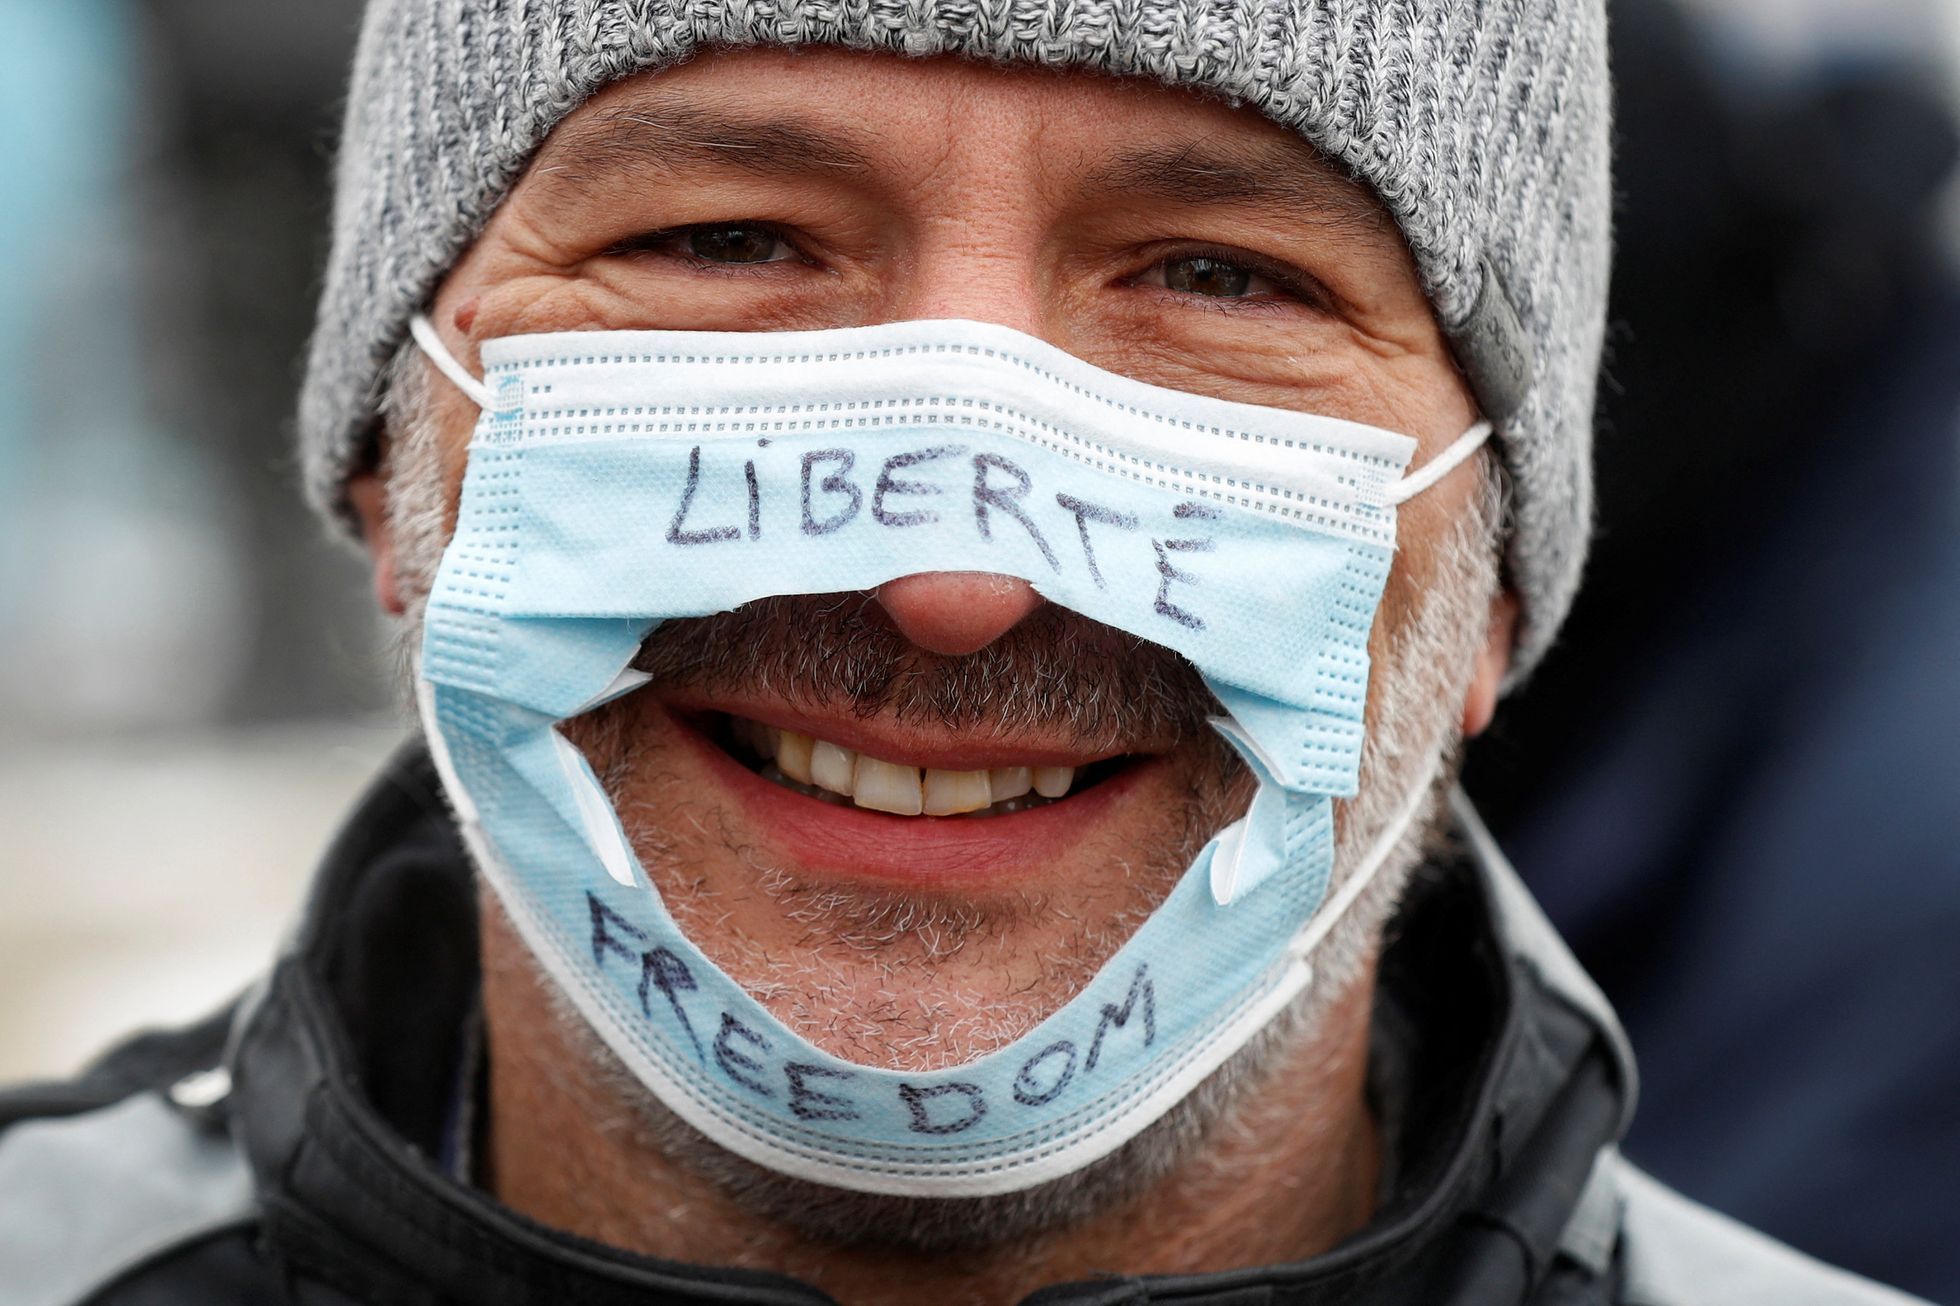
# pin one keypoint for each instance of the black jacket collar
(343, 1069)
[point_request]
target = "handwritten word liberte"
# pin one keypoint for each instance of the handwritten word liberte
(834, 495)
(743, 1056)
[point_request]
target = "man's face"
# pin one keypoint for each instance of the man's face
(1152, 233)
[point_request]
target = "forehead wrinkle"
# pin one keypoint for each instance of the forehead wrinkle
(1278, 176)
(629, 141)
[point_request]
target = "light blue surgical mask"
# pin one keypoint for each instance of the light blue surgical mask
(621, 479)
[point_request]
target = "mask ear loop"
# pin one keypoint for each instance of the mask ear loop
(1371, 862)
(1385, 843)
(601, 827)
(1438, 467)
(425, 335)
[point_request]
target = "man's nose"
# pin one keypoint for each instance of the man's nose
(978, 271)
(953, 613)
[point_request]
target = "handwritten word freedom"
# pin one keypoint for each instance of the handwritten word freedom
(746, 1059)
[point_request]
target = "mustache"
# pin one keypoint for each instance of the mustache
(1055, 670)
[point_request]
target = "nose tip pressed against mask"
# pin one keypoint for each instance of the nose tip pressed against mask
(621, 479)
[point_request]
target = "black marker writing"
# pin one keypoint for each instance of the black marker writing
(1169, 573)
(659, 968)
(836, 482)
(747, 1056)
(714, 534)
(892, 485)
(918, 1100)
(807, 1103)
(1119, 1017)
(1027, 1084)
(736, 1064)
(1086, 512)
(604, 921)
(986, 496)
(668, 973)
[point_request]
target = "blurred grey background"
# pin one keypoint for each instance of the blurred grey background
(1735, 784)
(192, 686)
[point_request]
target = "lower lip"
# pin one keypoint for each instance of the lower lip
(914, 852)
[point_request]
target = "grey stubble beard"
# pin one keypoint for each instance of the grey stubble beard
(1413, 741)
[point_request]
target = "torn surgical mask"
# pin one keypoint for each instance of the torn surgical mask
(618, 480)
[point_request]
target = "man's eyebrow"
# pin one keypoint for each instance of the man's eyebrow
(637, 138)
(1276, 175)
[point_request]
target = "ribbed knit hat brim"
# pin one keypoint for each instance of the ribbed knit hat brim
(1483, 126)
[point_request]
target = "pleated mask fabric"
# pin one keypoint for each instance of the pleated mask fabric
(617, 480)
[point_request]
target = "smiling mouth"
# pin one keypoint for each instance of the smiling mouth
(844, 777)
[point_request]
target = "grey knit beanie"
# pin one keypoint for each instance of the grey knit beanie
(1481, 124)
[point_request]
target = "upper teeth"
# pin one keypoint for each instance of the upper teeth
(890, 787)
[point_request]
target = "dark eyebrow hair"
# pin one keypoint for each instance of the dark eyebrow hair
(1281, 175)
(663, 138)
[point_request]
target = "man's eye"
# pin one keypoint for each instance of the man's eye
(1214, 278)
(736, 245)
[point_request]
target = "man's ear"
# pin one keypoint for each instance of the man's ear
(367, 493)
(1493, 661)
